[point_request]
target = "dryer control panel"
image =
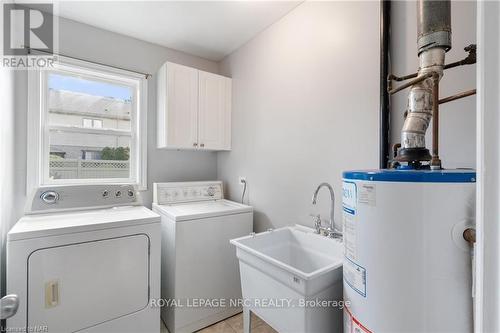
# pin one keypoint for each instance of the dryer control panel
(69, 197)
(170, 193)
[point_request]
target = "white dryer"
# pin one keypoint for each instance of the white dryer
(91, 270)
(200, 271)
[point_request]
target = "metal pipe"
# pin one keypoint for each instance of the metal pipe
(393, 77)
(433, 40)
(457, 96)
(469, 60)
(420, 108)
(435, 161)
(410, 83)
(470, 235)
(433, 25)
(385, 26)
(458, 63)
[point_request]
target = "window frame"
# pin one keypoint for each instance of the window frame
(38, 152)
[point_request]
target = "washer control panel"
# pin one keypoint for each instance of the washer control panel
(70, 197)
(170, 193)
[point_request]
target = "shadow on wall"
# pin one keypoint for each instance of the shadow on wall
(261, 221)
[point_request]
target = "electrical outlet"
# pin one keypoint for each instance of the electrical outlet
(242, 180)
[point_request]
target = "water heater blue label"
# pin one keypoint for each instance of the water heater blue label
(349, 197)
(349, 202)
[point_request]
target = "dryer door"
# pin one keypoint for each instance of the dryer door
(80, 285)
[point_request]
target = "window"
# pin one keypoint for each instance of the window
(92, 123)
(87, 122)
(88, 125)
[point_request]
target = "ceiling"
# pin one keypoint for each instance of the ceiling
(209, 29)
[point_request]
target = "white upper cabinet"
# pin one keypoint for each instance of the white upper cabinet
(177, 107)
(214, 111)
(194, 109)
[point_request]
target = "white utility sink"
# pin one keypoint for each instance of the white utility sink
(284, 271)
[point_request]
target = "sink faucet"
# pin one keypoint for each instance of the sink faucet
(330, 230)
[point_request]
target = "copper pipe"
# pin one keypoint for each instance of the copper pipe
(411, 83)
(469, 60)
(470, 235)
(435, 161)
(401, 78)
(392, 77)
(458, 63)
(457, 96)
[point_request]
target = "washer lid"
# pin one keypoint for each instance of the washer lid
(202, 209)
(44, 225)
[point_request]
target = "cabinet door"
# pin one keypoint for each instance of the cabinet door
(214, 130)
(177, 107)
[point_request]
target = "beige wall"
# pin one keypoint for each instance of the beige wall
(305, 108)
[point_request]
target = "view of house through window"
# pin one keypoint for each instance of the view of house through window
(95, 123)
(90, 127)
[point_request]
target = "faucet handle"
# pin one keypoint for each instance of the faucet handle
(317, 222)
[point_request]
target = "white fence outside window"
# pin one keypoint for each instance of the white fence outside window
(87, 169)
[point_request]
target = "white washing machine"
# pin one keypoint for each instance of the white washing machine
(91, 270)
(199, 271)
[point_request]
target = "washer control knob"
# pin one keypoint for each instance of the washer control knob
(49, 197)
(118, 194)
(130, 193)
(211, 191)
(105, 193)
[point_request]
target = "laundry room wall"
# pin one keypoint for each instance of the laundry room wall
(94, 44)
(457, 119)
(7, 169)
(305, 108)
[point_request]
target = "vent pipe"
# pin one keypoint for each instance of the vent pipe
(433, 41)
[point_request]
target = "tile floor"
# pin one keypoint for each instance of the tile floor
(233, 324)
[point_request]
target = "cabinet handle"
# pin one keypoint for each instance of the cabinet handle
(195, 144)
(202, 145)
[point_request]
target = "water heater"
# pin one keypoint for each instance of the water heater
(407, 266)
